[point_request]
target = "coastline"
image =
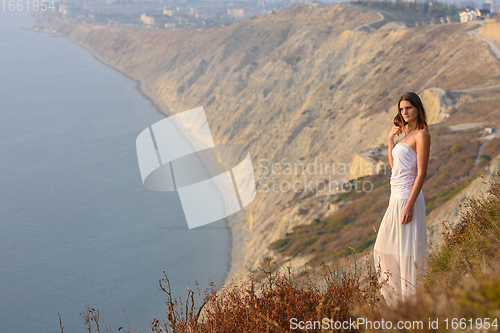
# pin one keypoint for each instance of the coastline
(236, 258)
(140, 86)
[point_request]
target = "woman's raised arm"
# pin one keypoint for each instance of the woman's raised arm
(394, 131)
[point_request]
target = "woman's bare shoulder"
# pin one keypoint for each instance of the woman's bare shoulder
(423, 133)
(422, 137)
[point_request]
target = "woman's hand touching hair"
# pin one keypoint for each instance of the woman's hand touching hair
(397, 129)
(398, 121)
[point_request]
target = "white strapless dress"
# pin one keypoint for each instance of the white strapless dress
(401, 249)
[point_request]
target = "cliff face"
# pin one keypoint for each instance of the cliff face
(300, 86)
(454, 208)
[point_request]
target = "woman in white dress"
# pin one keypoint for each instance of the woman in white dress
(401, 245)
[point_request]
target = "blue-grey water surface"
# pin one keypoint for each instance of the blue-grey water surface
(76, 224)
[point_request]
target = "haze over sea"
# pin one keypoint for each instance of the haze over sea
(76, 224)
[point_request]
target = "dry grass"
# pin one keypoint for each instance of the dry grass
(269, 306)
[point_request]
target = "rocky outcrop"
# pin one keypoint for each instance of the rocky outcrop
(439, 104)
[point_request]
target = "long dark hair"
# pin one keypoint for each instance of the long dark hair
(416, 102)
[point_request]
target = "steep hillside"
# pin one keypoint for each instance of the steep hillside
(303, 85)
(491, 30)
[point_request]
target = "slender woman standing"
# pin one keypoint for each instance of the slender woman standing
(401, 245)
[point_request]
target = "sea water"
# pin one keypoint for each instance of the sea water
(77, 226)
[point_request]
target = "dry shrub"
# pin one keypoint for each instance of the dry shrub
(270, 305)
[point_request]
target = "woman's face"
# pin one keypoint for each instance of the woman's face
(408, 111)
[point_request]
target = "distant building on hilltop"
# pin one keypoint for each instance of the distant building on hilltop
(148, 20)
(168, 11)
(489, 129)
(156, 20)
(468, 15)
(485, 13)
